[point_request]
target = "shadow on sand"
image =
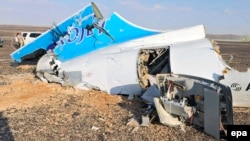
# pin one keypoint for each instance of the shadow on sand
(5, 132)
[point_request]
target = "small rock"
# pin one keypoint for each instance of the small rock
(95, 128)
(75, 114)
(145, 121)
(133, 122)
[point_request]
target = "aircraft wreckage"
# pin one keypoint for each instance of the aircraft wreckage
(179, 71)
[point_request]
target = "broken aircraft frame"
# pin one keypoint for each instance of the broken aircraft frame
(86, 35)
(119, 57)
(192, 100)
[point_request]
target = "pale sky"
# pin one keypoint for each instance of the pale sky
(218, 16)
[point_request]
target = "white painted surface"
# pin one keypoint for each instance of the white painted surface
(239, 82)
(114, 68)
(196, 58)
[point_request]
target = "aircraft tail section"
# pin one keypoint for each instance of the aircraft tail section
(126, 29)
(81, 18)
(82, 33)
(112, 30)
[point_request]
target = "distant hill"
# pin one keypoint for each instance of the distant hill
(229, 37)
(23, 28)
(11, 30)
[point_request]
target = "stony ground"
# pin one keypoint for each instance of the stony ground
(34, 110)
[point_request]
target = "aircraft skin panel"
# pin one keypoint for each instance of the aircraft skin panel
(196, 58)
(77, 40)
(83, 17)
(107, 71)
(163, 39)
(126, 30)
(73, 39)
(83, 41)
(239, 82)
(172, 37)
(123, 57)
(117, 73)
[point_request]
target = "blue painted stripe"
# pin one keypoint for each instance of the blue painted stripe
(51, 36)
(73, 39)
(85, 41)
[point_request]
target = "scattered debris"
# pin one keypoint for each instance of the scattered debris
(131, 97)
(145, 120)
(183, 126)
(178, 100)
(95, 128)
(195, 101)
(133, 122)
